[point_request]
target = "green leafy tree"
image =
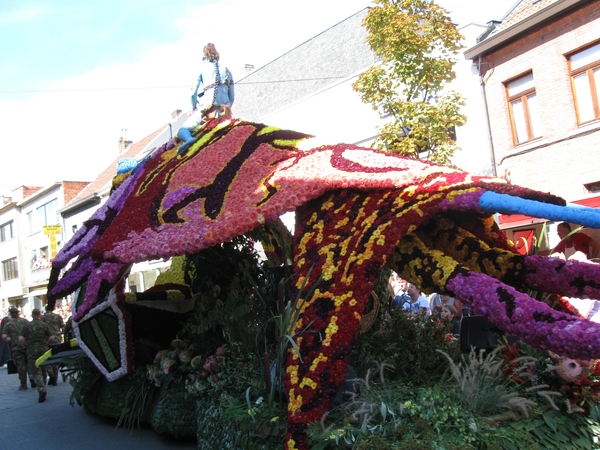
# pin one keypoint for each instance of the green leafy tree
(418, 45)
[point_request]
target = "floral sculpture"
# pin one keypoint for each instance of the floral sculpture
(357, 210)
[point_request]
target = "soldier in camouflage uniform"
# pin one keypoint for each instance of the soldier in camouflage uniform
(56, 325)
(10, 334)
(36, 335)
(68, 330)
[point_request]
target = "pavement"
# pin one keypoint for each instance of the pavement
(26, 424)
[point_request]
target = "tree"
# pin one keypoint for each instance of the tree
(418, 44)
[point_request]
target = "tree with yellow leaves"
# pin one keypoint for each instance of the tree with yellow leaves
(418, 44)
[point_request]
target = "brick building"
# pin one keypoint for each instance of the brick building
(540, 68)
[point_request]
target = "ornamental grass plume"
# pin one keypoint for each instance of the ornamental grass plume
(482, 387)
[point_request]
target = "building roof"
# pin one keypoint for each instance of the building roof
(525, 16)
(104, 179)
(521, 11)
(334, 54)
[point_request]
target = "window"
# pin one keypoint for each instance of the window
(43, 215)
(47, 213)
(39, 259)
(523, 107)
(10, 270)
(32, 222)
(6, 231)
(585, 79)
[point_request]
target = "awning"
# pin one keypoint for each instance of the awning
(37, 293)
(507, 221)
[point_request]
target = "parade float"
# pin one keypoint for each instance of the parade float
(247, 352)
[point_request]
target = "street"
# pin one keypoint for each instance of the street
(26, 424)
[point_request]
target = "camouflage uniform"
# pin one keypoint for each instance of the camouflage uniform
(68, 330)
(13, 330)
(36, 334)
(56, 325)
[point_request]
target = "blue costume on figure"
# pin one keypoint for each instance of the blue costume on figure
(213, 96)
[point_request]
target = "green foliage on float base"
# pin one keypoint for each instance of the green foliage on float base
(407, 343)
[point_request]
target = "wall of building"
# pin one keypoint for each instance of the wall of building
(473, 137)
(329, 57)
(9, 289)
(334, 114)
(567, 155)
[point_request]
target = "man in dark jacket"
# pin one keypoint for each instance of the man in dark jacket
(5, 346)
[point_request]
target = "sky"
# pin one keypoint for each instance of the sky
(77, 76)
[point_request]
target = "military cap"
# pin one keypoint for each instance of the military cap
(13, 310)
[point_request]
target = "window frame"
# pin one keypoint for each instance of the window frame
(594, 89)
(45, 211)
(42, 215)
(7, 226)
(10, 267)
(522, 96)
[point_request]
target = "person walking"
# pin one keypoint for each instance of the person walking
(56, 325)
(10, 334)
(5, 355)
(36, 335)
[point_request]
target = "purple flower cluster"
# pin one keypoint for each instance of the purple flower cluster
(569, 278)
(527, 319)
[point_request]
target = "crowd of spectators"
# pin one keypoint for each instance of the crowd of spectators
(408, 297)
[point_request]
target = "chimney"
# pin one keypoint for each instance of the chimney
(22, 192)
(18, 194)
(491, 26)
(123, 144)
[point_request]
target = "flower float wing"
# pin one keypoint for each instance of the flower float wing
(358, 210)
(442, 240)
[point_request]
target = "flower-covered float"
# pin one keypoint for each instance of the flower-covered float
(358, 210)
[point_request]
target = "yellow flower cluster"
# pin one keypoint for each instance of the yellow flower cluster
(293, 371)
(317, 360)
(332, 328)
(294, 403)
(308, 382)
(175, 274)
(130, 297)
(174, 294)
(340, 299)
(329, 267)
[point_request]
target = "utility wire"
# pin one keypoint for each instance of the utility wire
(11, 91)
